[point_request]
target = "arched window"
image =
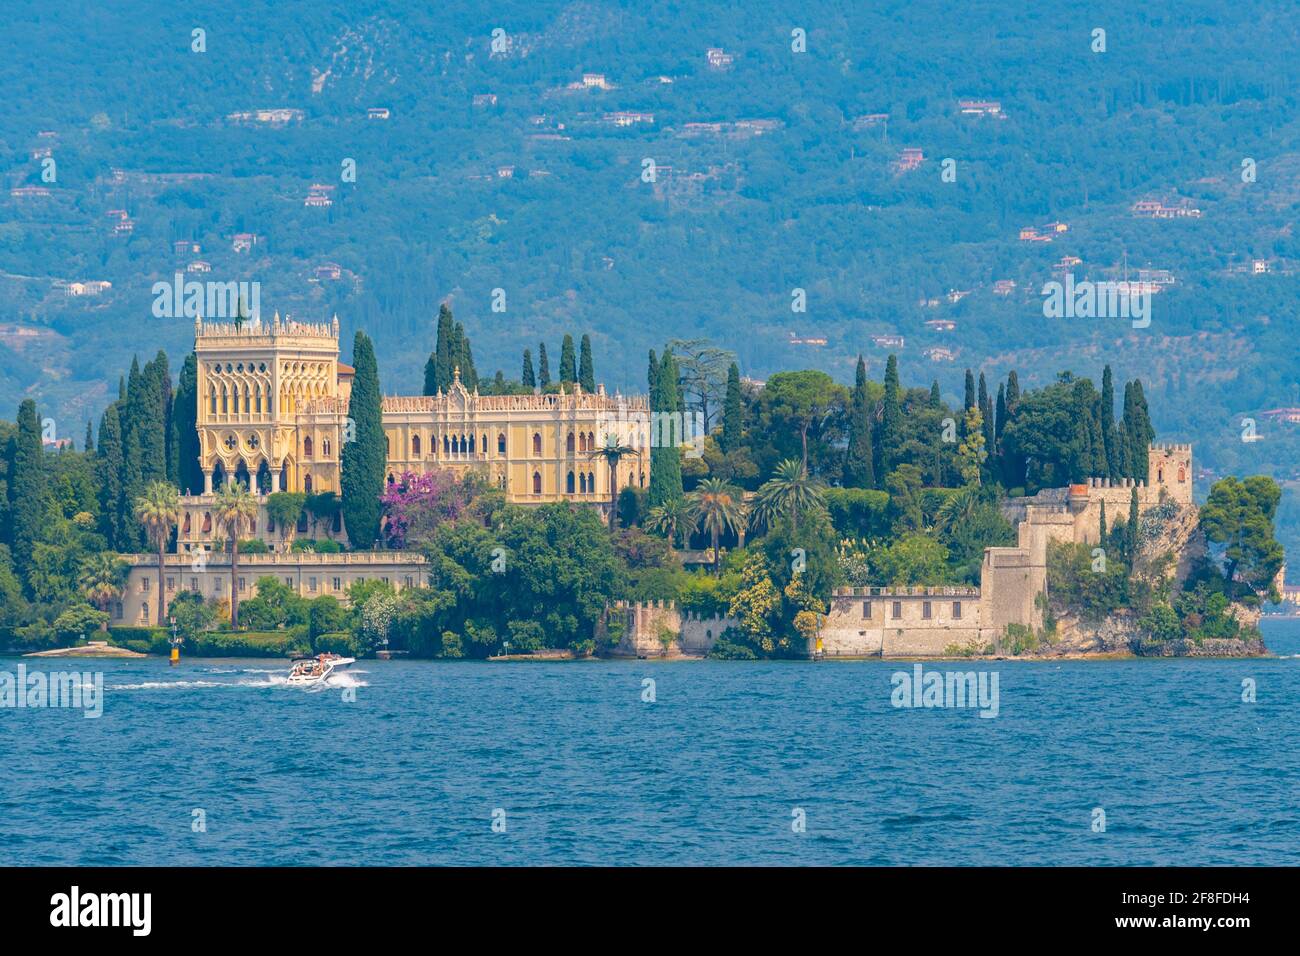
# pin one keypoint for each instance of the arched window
(306, 483)
(446, 446)
(568, 444)
(537, 443)
(388, 447)
(325, 448)
(307, 447)
(144, 610)
(415, 446)
(591, 482)
(391, 479)
(501, 443)
(464, 444)
(186, 528)
(257, 398)
(1160, 475)
(207, 522)
(471, 444)
(537, 482)
(568, 483)
(591, 441)
(643, 479)
(484, 446)
(582, 483)
(212, 394)
(1182, 474)
(248, 402)
(225, 401)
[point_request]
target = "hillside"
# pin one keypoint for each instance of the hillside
(774, 171)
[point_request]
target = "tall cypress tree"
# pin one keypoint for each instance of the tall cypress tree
(28, 485)
(89, 444)
(969, 402)
(652, 377)
(1103, 532)
(568, 361)
(986, 414)
(109, 468)
(437, 370)
(890, 427)
(586, 370)
(185, 407)
(1013, 391)
(543, 366)
(526, 377)
(859, 467)
(464, 359)
(732, 412)
(1141, 435)
(665, 454)
(1132, 550)
(364, 459)
(1108, 435)
(936, 400)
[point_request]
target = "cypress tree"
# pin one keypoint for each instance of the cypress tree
(986, 414)
(936, 400)
(665, 455)
(365, 458)
(527, 377)
(652, 377)
(859, 468)
(109, 468)
(185, 407)
(437, 370)
(1132, 527)
(156, 401)
(568, 361)
(1001, 415)
(1013, 391)
(1102, 530)
(889, 428)
(28, 485)
(543, 366)
(586, 370)
(1142, 434)
(732, 412)
(464, 359)
(1108, 435)
(970, 391)
(89, 444)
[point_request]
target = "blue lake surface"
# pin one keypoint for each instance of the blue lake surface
(712, 772)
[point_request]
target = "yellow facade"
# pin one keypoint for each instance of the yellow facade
(273, 403)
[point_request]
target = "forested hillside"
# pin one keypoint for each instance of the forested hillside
(489, 172)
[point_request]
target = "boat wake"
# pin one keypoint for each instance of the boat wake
(270, 679)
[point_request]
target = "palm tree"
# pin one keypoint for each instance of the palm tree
(102, 580)
(613, 451)
(716, 507)
(159, 509)
(959, 507)
(670, 518)
(790, 491)
(235, 504)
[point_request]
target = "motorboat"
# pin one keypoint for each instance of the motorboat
(307, 671)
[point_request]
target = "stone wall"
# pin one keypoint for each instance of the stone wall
(659, 629)
(901, 622)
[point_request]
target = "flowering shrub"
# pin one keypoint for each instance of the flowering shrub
(415, 505)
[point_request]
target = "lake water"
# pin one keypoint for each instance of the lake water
(714, 771)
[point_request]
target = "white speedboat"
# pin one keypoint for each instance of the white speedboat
(307, 671)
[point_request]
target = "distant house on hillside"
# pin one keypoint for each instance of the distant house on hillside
(807, 339)
(941, 325)
(331, 271)
(29, 192)
(887, 341)
(1289, 415)
(939, 354)
(377, 113)
(981, 108)
(909, 159)
(624, 118)
(1004, 287)
(185, 247)
(199, 266)
(485, 99)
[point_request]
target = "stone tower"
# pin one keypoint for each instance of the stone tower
(1170, 471)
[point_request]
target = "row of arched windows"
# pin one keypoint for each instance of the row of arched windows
(586, 483)
(586, 441)
(230, 404)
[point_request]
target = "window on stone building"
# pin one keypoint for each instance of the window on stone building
(307, 447)
(537, 482)
(568, 444)
(956, 610)
(897, 610)
(537, 443)
(926, 611)
(568, 483)
(501, 443)
(866, 610)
